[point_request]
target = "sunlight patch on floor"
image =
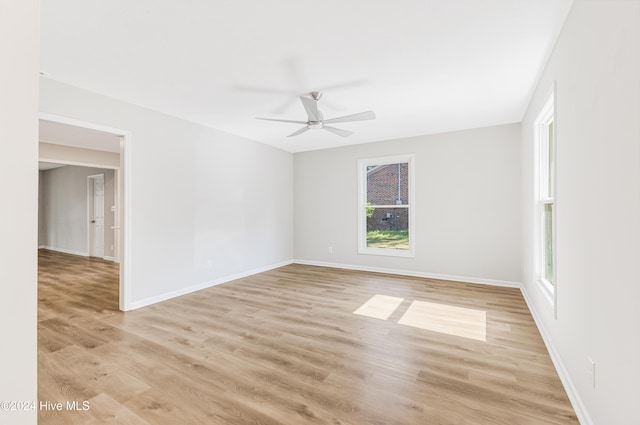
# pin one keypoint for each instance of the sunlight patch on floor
(379, 307)
(458, 321)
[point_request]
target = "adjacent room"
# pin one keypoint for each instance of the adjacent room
(418, 212)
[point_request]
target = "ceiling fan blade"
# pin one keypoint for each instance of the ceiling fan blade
(360, 116)
(338, 131)
(274, 119)
(302, 130)
(311, 106)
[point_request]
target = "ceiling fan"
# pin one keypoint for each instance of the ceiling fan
(316, 120)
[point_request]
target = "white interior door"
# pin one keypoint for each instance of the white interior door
(98, 216)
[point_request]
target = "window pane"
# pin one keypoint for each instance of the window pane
(550, 162)
(386, 211)
(388, 184)
(548, 243)
(388, 228)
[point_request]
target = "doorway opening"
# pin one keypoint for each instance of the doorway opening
(97, 155)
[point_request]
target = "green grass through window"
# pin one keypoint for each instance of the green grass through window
(389, 239)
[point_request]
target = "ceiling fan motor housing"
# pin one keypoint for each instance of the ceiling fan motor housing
(316, 121)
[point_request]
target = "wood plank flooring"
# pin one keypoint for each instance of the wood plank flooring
(284, 347)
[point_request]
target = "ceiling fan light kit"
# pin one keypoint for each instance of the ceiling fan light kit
(316, 121)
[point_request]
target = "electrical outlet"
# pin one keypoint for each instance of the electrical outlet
(591, 372)
(330, 250)
(209, 264)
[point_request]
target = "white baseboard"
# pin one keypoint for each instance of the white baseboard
(454, 278)
(567, 382)
(64, 251)
(184, 291)
(109, 258)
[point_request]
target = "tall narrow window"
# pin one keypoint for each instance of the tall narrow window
(545, 195)
(385, 210)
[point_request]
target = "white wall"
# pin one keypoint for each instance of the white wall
(206, 205)
(467, 204)
(19, 59)
(63, 205)
(596, 66)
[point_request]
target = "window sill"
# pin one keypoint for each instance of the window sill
(387, 252)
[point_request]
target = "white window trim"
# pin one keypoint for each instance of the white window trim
(545, 117)
(362, 201)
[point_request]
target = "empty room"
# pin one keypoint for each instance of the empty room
(356, 212)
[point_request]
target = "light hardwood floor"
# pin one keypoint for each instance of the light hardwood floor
(284, 347)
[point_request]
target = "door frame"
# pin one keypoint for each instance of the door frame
(123, 202)
(91, 193)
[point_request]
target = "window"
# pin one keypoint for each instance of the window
(385, 210)
(545, 199)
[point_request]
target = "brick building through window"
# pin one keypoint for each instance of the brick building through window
(388, 185)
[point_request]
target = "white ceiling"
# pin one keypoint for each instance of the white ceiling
(424, 66)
